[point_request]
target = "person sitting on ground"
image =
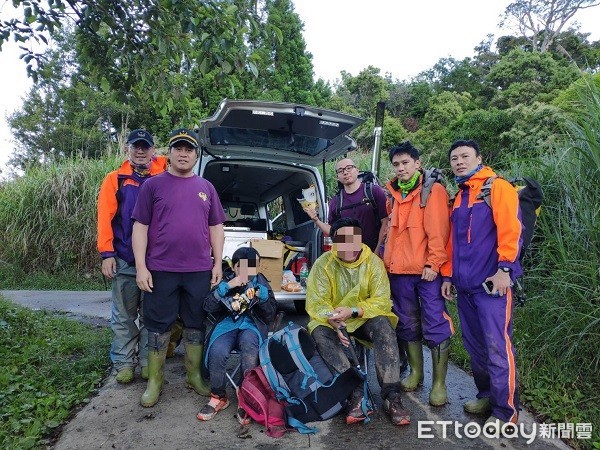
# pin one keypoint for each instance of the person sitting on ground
(243, 308)
(349, 287)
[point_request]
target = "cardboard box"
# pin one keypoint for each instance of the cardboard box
(271, 260)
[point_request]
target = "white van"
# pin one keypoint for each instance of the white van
(259, 156)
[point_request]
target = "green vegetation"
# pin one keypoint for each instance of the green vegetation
(49, 366)
(49, 218)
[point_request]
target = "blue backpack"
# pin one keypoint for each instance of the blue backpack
(300, 377)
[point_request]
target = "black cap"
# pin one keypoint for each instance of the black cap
(183, 134)
(140, 135)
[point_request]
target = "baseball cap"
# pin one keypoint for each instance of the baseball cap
(140, 135)
(183, 134)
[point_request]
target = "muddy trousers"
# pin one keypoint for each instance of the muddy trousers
(380, 333)
(486, 324)
(130, 337)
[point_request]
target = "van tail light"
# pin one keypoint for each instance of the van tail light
(327, 243)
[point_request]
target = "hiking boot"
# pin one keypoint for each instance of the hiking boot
(214, 405)
(193, 358)
(414, 350)
(243, 417)
(478, 406)
(394, 408)
(144, 372)
(354, 410)
(439, 358)
(125, 375)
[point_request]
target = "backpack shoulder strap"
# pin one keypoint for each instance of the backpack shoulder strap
(486, 191)
(292, 342)
(338, 206)
(430, 177)
(278, 384)
(369, 195)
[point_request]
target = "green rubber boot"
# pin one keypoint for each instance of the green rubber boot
(156, 377)
(414, 350)
(193, 359)
(439, 357)
(478, 406)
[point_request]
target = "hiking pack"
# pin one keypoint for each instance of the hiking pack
(300, 377)
(430, 177)
(368, 179)
(531, 198)
(257, 399)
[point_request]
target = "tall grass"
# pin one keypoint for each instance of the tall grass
(48, 218)
(558, 331)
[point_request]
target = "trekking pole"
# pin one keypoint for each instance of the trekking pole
(356, 362)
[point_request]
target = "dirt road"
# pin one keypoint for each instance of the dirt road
(115, 419)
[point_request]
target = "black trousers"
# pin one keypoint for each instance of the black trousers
(176, 294)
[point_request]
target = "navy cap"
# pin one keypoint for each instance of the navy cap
(183, 134)
(140, 135)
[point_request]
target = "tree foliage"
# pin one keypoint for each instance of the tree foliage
(541, 21)
(140, 45)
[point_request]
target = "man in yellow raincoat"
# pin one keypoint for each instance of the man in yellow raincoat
(349, 287)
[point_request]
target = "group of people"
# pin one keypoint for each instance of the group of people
(393, 264)
(407, 259)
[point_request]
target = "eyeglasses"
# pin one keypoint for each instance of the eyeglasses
(136, 147)
(348, 168)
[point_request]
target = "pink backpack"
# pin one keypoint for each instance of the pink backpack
(257, 398)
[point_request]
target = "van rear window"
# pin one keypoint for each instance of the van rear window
(273, 139)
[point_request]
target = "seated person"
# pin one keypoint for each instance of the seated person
(348, 287)
(243, 308)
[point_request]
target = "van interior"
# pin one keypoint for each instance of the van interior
(260, 199)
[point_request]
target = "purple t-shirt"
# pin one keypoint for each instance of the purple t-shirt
(364, 213)
(178, 212)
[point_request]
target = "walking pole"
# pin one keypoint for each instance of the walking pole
(356, 363)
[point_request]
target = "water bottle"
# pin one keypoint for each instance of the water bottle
(303, 274)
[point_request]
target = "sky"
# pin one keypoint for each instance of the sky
(399, 37)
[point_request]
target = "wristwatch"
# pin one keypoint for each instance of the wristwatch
(505, 269)
(354, 312)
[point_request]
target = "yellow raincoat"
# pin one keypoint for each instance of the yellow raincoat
(363, 283)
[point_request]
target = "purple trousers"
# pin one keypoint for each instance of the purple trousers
(486, 324)
(421, 309)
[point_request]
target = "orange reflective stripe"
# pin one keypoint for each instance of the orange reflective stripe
(449, 319)
(512, 372)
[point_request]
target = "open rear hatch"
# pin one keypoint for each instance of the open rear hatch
(278, 131)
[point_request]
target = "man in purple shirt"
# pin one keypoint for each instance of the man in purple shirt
(356, 205)
(178, 221)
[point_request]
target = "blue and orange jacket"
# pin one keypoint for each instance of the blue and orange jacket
(484, 239)
(116, 200)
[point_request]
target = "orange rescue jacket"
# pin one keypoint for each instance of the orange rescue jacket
(417, 236)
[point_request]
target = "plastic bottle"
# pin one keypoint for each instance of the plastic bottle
(303, 274)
